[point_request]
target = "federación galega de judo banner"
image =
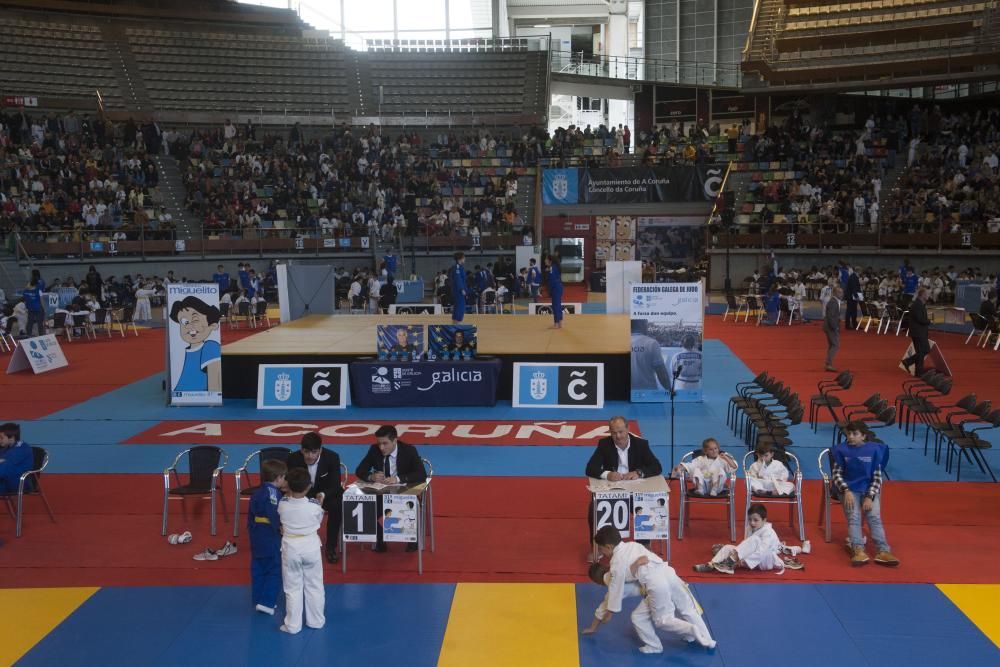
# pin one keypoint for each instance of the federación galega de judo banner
(667, 336)
(194, 344)
(631, 185)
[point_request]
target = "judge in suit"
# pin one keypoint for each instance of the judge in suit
(621, 456)
(323, 466)
(390, 461)
(831, 326)
(919, 326)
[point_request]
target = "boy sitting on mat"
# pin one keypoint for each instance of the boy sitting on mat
(667, 603)
(759, 550)
(857, 473)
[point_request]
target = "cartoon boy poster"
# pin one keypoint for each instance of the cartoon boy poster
(195, 348)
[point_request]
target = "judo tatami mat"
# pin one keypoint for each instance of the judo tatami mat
(480, 523)
(506, 624)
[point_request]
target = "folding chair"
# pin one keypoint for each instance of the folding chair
(793, 500)
(265, 454)
(29, 484)
(971, 445)
(260, 313)
(224, 310)
(981, 326)
(488, 301)
(242, 312)
(205, 464)
(59, 321)
(7, 340)
(754, 305)
(732, 307)
(826, 397)
(102, 321)
(946, 424)
(726, 496)
(831, 494)
(126, 319)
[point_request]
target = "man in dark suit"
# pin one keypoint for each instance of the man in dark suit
(919, 326)
(831, 326)
(392, 462)
(324, 472)
(621, 456)
(853, 292)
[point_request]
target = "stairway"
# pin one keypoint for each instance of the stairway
(366, 103)
(130, 82)
(765, 27)
(525, 201)
(172, 194)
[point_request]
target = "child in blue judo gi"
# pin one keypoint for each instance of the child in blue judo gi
(264, 530)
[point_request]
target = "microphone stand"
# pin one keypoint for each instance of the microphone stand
(673, 393)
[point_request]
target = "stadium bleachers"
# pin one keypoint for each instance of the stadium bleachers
(795, 41)
(60, 59)
(502, 82)
(208, 71)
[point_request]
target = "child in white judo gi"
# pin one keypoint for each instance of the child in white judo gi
(301, 554)
(768, 476)
(710, 471)
(667, 603)
(760, 549)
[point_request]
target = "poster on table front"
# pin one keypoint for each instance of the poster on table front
(667, 321)
(651, 515)
(399, 518)
(194, 344)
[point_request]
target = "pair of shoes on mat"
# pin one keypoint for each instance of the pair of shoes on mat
(182, 538)
(228, 549)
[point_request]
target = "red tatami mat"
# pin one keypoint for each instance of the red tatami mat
(488, 529)
(796, 356)
(95, 367)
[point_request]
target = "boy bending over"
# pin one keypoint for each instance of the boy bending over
(668, 604)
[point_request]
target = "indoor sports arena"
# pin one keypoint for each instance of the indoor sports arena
(499, 332)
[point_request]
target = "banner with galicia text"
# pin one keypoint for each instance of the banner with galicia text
(667, 336)
(632, 185)
(194, 344)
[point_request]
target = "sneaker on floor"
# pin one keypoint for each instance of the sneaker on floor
(886, 558)
(207, 554)
(724, 568)
(704, 567)
(650, 649)
(793, 563)
(228, 549)
(265, 609)
(858, 556)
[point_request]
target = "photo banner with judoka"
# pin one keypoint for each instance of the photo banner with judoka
(194, 344)
(668, 328)
(399, 518)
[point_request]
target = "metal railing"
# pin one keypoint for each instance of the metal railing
(646, 69)
(815, 236)
(96, 244)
